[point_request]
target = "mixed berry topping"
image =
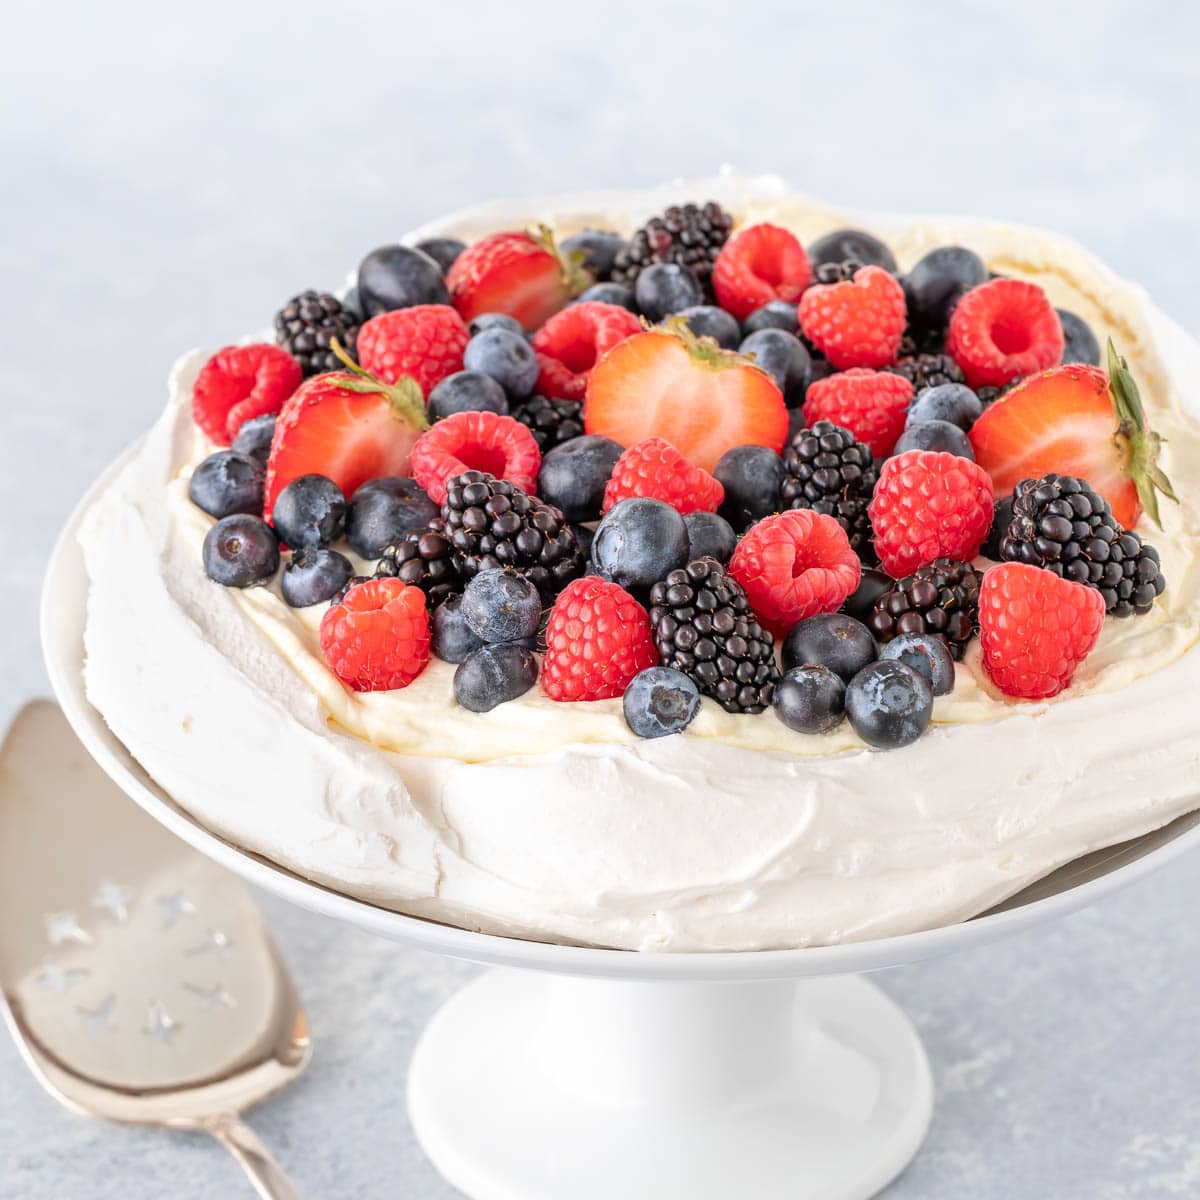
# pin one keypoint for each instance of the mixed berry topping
(701, 465)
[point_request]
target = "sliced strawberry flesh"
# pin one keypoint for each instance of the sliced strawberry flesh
(349, 437)
(651, 386)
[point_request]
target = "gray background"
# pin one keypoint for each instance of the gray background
(170, 178)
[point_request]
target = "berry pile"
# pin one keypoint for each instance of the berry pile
(664, 469)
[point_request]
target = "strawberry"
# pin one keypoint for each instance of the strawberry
(345, 425)
(522, 274)
(1072, 420)
(666, 383)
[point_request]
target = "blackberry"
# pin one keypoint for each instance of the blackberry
(921, 341)
(927, 370)
(551, 422)
(687, 234)
(704, 627)
(307, 323)
(941, 597)
(424, 558)
(1059, 523)
(826, 470)
(493, 523)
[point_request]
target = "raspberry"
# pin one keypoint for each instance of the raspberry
(569, 343)
(761, 264)
(794, 565)
(1035, 629)
(1004, 329)
(597, 639)
(377, 637)
(871, 404)
(241, 382)
(654, 468)
(929, 505)
(857, 323)
(475, 441)
(425, 341)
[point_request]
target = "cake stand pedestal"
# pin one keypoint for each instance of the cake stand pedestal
(527, 1086)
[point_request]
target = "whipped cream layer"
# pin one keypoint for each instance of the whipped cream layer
(552, 820)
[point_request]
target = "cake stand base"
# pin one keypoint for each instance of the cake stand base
(528, 1086)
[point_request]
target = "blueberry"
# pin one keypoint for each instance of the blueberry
(385, 509)
(240, 551)
(709, 536)
(935, 284)
(888, 704)
(936, 435)
(783, 357)
(494, 675)
(777, 314)
(706, 320)
(660, 701)
(353, 302)
(928, 655)
(609, 293)
(450, 635)
(399, 277)
(254, 437)
(752, 477)
(467, 391)
(310, 511)
(810, 699)
(1079, 342)
(228, 482)
(501, 606)
(953, 402)
(506, 356)
(842, 244)
(871, 586)
(639, 542)
(598, 247)
(574, 475)
(314, 575)
(494, 321)
(665, 288)
(831, 640)
(443, 250)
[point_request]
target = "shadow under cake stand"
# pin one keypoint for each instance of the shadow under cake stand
(593, 1074)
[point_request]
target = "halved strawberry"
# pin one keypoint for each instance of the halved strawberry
(1075, 420)
(522, 274)
(347, 426)
(666, 383)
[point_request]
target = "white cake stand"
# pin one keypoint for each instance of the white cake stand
(585, 1074)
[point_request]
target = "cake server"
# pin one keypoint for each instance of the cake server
(137, 977)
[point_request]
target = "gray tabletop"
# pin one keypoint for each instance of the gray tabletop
(169, 181)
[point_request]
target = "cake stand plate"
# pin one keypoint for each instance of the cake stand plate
(534, 1087)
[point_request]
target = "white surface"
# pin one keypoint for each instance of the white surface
(819, 1091)
(171, 175)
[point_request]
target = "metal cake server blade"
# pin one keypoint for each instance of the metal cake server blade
(137, 977)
